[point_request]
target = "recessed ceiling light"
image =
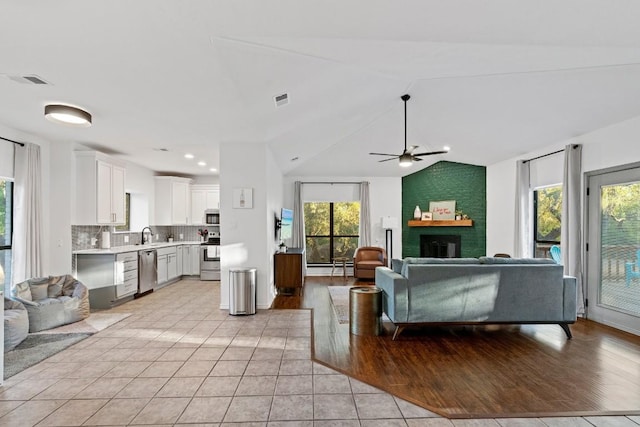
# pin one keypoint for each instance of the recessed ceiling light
(67, 115)
(202, 164)
(446, 148)
(188, 156)
(213, 170)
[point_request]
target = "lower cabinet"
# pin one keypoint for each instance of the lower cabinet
(163, 272)
(191, 260)
(172, 266)
(179, 260)
(110, 278)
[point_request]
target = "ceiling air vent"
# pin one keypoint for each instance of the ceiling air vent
(29, 79)
(281, 100)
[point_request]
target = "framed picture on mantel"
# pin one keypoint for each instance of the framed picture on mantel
(445, 209)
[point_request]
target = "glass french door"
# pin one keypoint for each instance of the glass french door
(613, 263)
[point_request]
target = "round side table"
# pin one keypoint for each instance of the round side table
(365, 310)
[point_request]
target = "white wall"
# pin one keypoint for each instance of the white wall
(607, 147)
(140, 184)
(246, 235)
(385, 195)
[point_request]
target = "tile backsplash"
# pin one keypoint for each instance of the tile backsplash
(82, 235)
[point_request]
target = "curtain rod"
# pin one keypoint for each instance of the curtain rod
(337, 182)
(11, 140)
(549, 154)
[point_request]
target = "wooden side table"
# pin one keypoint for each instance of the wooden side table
(343, 261)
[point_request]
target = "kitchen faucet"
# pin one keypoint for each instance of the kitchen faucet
(142, 240)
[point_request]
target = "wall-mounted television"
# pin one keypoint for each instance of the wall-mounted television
(286, 223)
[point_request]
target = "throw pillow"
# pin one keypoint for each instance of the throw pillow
(55, 287)
(23, 291)
(39, 291)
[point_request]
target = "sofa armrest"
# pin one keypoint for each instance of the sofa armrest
(395, 299)
(26, 302)
(570, 310)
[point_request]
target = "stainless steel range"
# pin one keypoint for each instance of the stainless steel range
(210, 259)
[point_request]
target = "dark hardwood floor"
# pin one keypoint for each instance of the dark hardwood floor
(483, 372)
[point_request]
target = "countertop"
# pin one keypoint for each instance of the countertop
(132, 248)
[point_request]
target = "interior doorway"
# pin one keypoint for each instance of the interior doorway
(613, 236)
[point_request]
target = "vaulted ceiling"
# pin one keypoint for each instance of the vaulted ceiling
(491, 79)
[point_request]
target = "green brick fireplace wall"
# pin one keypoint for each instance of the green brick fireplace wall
(466, 184)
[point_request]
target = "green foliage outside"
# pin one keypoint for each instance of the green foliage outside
(620, 206)
(322, 244)
(549, 214)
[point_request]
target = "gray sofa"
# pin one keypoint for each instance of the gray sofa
(477, 291)
(52, 301)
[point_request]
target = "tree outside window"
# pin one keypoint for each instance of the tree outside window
(331, 230)
(6, 215)
(547, 204)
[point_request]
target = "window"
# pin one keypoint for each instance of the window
(547, 205)
(331, 230)
(127, 215)
(6, 223)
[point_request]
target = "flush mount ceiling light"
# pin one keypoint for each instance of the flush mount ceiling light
(67, 115)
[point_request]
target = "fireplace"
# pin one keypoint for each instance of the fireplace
(440, 246)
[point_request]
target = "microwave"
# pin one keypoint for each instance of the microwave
(212, 216)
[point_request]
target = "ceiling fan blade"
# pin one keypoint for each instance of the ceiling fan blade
(431, 153)
(386, 160)
(417, 159)
(383, 154)
(411, 148)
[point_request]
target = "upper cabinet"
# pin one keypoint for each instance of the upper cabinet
(173, 200)
(100, 194)
(203, 197)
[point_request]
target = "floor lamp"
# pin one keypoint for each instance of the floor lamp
(388, 224)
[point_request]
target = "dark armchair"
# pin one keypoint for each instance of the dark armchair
(365, 261)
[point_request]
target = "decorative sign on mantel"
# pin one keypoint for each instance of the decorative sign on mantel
(445, 209)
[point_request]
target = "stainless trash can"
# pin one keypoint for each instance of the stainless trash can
(365, 310)
(242, 291)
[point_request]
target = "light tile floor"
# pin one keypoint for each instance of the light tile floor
(179, 360)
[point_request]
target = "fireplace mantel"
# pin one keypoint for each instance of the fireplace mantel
(441, 223)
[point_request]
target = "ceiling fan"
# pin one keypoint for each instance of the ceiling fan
(407, 157)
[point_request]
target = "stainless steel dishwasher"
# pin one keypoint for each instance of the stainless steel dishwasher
(147, 271)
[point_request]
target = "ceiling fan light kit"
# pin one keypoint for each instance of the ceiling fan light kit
(67, 115)
(407, 157)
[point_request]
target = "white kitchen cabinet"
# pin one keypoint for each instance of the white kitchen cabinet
(195, 260)
(179, 260)
(191, 260)
(203, 197)
(100, 189)
(110, 278)
(126, 274)
(173, 200)
(172, 266)
(163, 272)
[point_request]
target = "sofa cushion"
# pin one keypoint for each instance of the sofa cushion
(22, 291)
(55, 286)
(498, 260)
(39, 291)
(369, 265)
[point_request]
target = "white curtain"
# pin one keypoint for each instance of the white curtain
(298, 237)
(571, 232)
(365, 216)
(524, 211)
(27, 237)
